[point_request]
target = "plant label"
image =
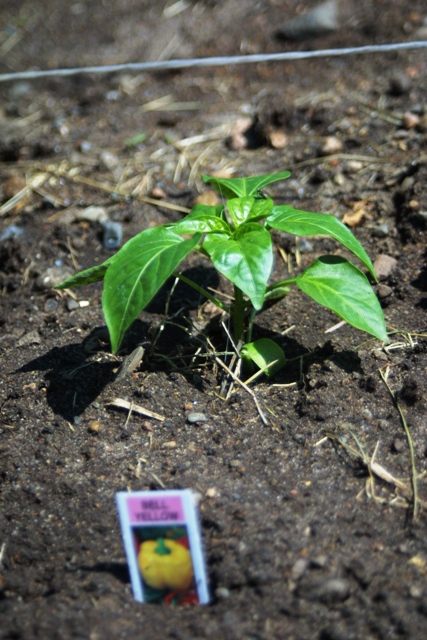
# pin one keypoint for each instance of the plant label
(163, 546)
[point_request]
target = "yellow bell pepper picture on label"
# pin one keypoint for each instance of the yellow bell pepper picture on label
(165, 564)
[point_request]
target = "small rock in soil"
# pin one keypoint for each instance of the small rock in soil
(94, 426)
(12, 231)
(109, 160)
(113, 234)
(398, 445)
(50, 305)
(93, 214)
(29, 338)
(72, 304)
(53, 276)
(399, 84)
(415, 591)
(332, 145)
(278, 139)
(319, 562)
(384, 291)
(299, 568)
(333, 590)
(317, 22)
(193, 417)
(384, 265)
(410, 120)
(381, 231)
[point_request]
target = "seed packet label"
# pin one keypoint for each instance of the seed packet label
(163, 546)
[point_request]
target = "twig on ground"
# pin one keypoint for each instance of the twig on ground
(112, 189)
(136, 408)
(410, 442)
(242, 384)
(34, 183)
(375, 469)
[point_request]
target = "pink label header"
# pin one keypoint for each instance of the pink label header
(161, 509)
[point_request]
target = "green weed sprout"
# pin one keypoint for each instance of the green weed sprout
(236, 238)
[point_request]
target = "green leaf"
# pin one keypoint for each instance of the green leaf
(239, 209)
(277, 293)
(136, 140)
(93, 274)
(246, 259)
(261, 208)
(136, 273)
(202, 219)
(229, 187)
(337, 284)
(264, 352)
(306, 223)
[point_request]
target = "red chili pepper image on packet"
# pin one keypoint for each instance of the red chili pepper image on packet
(163, 547)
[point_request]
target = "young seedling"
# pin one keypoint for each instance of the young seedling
(235, 237)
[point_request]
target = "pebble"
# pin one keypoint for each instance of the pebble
(299, 568)
(398, 445)
(339, 179)
(193, 417)
(319, 21)
(354, 166)
(332, 145)
(384, 265)
(158, 193)
(319, 562)
(415, 591)
(10, 232)
(113, 234)
(333, 590)
(50, 305)
(410, 120)
(85, 146)
(94, 426)
(238, 140)
(278, 139)
(384, 291)
(304, 245)
(367, 414)
(29, 338)
(299, 438)
(53, 276)
(109, 160)
(72, 304)
(93, 214)
(222, 593)
(381, 231)
(399, 84)
(18, 90)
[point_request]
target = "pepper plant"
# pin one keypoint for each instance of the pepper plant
(236, 237)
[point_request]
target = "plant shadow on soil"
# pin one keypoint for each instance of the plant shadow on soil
(76, 380)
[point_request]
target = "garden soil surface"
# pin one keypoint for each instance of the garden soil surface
(305, 485)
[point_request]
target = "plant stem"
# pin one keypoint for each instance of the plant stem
(203, 292)
(251, 324)
(238, 314)
(282, 283)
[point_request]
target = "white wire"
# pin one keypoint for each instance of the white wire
(218, 61)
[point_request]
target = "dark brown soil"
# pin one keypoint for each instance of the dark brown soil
(301, 541)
